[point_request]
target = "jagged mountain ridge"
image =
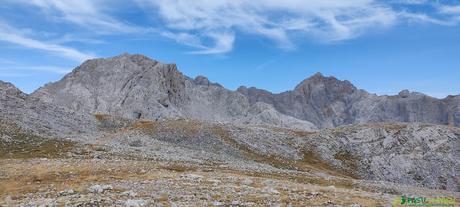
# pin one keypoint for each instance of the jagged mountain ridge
(134, 86)
(328, 102)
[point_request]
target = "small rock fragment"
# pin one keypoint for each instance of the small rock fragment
(247, 181)
(99, 188)
(67, 192)
(135, 203)
(130, 193)
(217, 203)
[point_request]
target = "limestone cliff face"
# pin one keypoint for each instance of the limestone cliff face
(42, 118)
(123, 85)
(134, 86)
(328, 102)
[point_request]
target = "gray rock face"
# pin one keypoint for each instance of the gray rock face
(119, 86)
(328, 102)
(414, 154)
(42, 118)
(134, 86)
(453, 109)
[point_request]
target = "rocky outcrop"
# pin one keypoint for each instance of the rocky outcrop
(415, 154)
(41, 118)
(328, 102)
(453, 110)
(134, 86)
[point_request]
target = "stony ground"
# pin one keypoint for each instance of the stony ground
(94, 182)
(83, 179)
(181, 163)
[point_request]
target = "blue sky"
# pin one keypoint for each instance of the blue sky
(380, 46)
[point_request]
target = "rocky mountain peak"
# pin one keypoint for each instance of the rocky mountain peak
(325, 86)
(201, 80)
(7, 85)
(119, 85)
(404, 93)
(126, 60)
(318, 75)
(242, 89)
(320, 79)
(8, 89)
(138, 59)
(134, 86)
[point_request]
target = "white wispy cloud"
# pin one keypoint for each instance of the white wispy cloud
(424, 18)
(7, 62)
(219, 21)
(69, 38)
(450, 9)
(9, 74)
(223, 42)
(14, 36)
(32, 68)
(327, 21)
(15, 67)
(183, 38)
(213, 26)
(413, 2)
(85, 13)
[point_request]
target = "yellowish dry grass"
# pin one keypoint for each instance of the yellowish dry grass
(101, 117)
(34, 175)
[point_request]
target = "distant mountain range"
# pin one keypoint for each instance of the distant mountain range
(135, 86)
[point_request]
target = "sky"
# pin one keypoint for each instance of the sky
(380, 46)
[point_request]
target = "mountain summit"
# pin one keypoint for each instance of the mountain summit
(329, 102)
(135, 86)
